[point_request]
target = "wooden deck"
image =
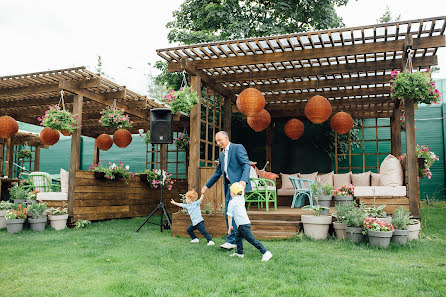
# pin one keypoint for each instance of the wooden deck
(282, 223)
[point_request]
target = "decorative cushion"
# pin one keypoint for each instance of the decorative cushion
(326, 178)
(380, 191)
(64, 175)
(286, 183)
(285, 192)
(375, 179)
(311, 176)
(342, 179)
(361, 179)
(53, 196)
(265, 174)
(391, 172)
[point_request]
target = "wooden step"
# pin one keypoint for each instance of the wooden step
(273, 235)
(274, 216)
(271, 225)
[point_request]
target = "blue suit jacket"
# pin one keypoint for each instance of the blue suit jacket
(238, 167)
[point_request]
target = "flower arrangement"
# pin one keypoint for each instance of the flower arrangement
(58, 119)
(32, 195)
(416, 85)
(376, 225)
(19, 213)
(157, 177)
(346, 190)
(182, 142)
(321, 189)
(182, 100)
(112, 171)
(429, 159)
(113, 117)
(24, 153)
(403, 122)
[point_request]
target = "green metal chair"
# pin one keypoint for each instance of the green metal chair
(302, 190)
(41, 181)
(263, 191)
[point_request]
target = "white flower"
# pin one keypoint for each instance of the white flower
(127, 167)
(113, 166)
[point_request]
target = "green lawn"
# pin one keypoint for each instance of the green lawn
(111, 259)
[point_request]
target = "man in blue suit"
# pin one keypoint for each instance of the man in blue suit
(233, 165)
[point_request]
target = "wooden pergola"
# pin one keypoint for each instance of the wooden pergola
(27, 96)
(349, 66)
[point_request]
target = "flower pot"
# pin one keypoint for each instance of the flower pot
(19, 201)
(15, 226)
(316, 227)
(342, 200)
(339, 228)
(2, 219)
(414, 231)
(399, 236)
(99, 175)
(58, 222)
(323, 201)
(65, 132)
(379, 239)
(387, 220)
(354, 234)
(30, 201)
(38, 225)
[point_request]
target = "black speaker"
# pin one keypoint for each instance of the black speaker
(161, 126)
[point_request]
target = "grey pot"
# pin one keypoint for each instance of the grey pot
(342, 200)
(379, 239)
(339, 228)
(400, 236)
(2, 219)
(15, 226)
(323, 200)
(38, 225)
(19, 201)
(354, 234)
(30, 201)
(387, 220)
(316, 227)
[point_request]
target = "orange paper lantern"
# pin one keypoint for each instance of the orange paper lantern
(341, 122)
(318, 109)
(260, 121)
(122, 138)
(104, 142)
(8, 127)
(294, 129)
(250, 102)
(49, 136)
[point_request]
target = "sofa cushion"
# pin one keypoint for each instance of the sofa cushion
(341, 180)
(380, 191)
(285, 192)
(361, 179)
(311, 176)
(391, 172)
(64, 175)
(53, 196)
(286, 183)
(375, 179)
(326, 178)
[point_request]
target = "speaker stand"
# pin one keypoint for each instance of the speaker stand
(160, 206)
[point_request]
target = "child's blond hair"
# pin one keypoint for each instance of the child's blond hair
(192, 195)
(236, 188)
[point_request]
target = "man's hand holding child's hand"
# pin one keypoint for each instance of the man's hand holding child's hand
(229, 230)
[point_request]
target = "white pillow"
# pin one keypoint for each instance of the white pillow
(286, 183)
(326, 178)
(375, 179)
(361, 179)
(342, 179)
(391, 172)
(64, 176)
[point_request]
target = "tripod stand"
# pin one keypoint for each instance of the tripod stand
(160, 206)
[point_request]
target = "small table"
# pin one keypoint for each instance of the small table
(6, 181)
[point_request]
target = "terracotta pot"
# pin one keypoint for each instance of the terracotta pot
(122, 138)
(49, 136)
(65, 132)
(104, 142)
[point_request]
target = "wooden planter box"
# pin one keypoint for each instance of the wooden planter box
(391, 203)
(215, 225)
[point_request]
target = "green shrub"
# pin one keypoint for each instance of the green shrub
(401, 218)
(36, 210)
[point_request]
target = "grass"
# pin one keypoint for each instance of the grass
(110, 259)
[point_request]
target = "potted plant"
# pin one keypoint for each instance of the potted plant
(111, 171)
(340, 225)
(379, 213)
(15, 218)
(4, 206)
(400, 220)
(322, 193)
(316, 226)
(354, 219)
(379, 232)
(58, 218)
(182, 100)
(344, 194)
(157, 177)
(115, 118)
(58, 119)
(24, 153)
(17, 193)
(426, 158)
(414, 228)
(36, 216)
(182, 142)
(31, 197)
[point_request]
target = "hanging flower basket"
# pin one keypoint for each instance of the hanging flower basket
(182, 100)
(416, 85)
(182, 142)
(426, 158)
(115, 118)
(8, 127)
(49, 136)
(157, 177)
(58, 119)
(24, 153)
(104, 142)
(122, 138)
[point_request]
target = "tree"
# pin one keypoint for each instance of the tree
(387, 17)
(99, 66)
(154, 89)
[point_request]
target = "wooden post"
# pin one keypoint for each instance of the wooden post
(2, 156)
(9, 157)
(96, 154)
(227, 107)
(411, 158)
(193, 174)
(37, 159)
(269, 146)
(75, 152)
(395, 131)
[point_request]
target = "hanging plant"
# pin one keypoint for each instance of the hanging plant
(403, 122)
(113, 117)
(58, 119)
(182, 100)
(416, 85)
(182, 142)
(24, 153)
(147, 137)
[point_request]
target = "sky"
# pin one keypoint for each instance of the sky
(54, 34)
